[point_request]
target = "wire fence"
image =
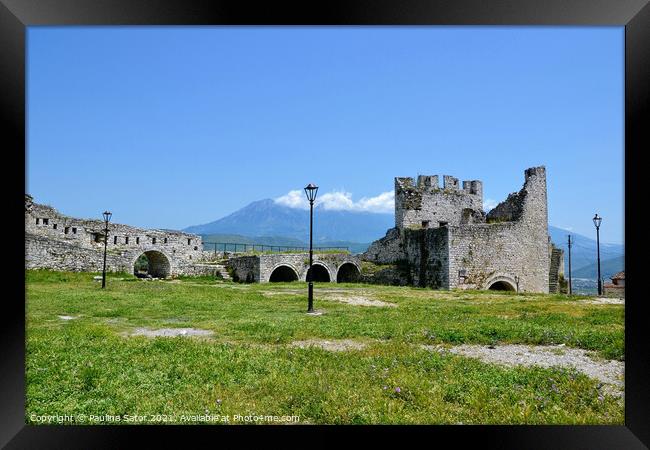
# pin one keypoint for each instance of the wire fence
(235, 247)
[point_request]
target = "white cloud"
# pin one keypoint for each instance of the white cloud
(489, 204)
(341, 200)
(294, 199)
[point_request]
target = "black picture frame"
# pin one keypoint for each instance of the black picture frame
(634, 15)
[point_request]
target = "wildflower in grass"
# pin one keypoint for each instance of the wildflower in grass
(398, 390)
(219, 401)
(385, 387)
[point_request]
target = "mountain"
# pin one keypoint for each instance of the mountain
(608, 268)
(268, 218)
(584, 256)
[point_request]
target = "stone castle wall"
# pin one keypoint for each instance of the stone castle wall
(427, 257)
(59, 242)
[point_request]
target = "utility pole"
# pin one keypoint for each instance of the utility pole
(570, 287)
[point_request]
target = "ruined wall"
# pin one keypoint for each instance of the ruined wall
(245, 268)
(426, 205)
(427, 255)
(59, 242)
(556, 269)
(44, 253)
(515, 246)
(387, 250)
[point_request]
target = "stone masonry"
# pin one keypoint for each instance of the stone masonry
(329, 267)
(59, 242)
(443, 238)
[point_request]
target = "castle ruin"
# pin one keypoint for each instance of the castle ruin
(443, 239)
(59, 242)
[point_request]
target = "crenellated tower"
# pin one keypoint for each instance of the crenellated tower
(427, 205)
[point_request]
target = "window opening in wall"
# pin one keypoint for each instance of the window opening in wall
(114, 239)
(74, 230)
(137, 240)
(66, 230)
(190, 256)
(46, 221)
(97, 237)
(153, 240)
(443, 224)
(196, 248)
(425, 224)
(189, 242)
(37, 221)
(55, 226)
(165, 240)
(126, 239)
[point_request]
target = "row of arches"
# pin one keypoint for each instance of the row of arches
(347, 273)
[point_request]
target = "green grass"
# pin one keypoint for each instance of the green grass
(85, 365)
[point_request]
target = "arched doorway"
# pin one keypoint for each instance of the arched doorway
(321, 274)
(348, 273)
(283, 273)
(501, 285)
(152, 263)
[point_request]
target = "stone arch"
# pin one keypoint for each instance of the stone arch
(283, 272)
(501, 283)
(348, 272)
(159, 263)
(321, 272)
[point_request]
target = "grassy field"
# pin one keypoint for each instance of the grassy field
(90, 366)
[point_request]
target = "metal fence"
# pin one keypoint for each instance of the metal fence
(235, 247)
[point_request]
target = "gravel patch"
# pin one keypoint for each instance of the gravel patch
(608, 372)
(605, 301)
(170, 332)
(338, 295)
(341, 345)
(361, 301)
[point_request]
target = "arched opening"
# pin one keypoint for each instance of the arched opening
(321, 274)
(348, 273)
(152, 264)
(501, 286)
(283, 273)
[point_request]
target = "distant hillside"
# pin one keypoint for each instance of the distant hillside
(268, 218)
(608, 267)
(583, 253)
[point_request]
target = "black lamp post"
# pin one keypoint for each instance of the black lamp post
(311, 190)
(597, 221)
(107, 218)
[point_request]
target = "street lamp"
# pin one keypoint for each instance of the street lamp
(107, 218)
(597, 220)
(311, 190)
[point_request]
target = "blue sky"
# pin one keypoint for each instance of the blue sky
(175, 126)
